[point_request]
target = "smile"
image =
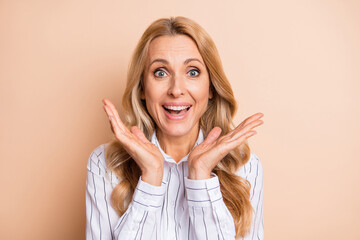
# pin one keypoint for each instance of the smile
(176, 112)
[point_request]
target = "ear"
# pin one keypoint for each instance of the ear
(142, 95)
(211, 94)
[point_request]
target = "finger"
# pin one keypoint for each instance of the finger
(245, 136)
(237, 142)
(111, 110)
(139, 134)
(111, 126)
(246, 129)
(246, 122)
(110, 115)
(252, 118)
(212, 136)
(116, 130)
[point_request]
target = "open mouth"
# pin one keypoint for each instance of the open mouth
(177, 110)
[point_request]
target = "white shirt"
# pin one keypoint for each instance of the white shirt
(181, 208)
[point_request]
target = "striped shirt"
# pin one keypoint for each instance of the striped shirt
(181, 208)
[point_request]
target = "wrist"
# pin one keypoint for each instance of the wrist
(153, 177)
(197, 174)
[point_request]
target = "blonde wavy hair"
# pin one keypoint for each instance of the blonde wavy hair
(220, 112)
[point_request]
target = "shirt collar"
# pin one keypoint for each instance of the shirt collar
(168, 158)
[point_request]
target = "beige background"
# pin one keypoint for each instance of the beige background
(295, 61)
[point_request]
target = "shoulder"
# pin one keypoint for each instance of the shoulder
(252, 168)
(97, 158)
(97, 163)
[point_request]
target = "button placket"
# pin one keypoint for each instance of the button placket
(174, 176)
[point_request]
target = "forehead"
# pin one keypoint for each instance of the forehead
(173, 47)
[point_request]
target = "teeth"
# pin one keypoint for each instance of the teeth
(176, 108)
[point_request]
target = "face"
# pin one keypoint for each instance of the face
(176, 85)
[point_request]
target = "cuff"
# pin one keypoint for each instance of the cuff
(204, 192)
(149, 197)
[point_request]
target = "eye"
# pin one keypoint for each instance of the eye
(159, 73)
(194, 72)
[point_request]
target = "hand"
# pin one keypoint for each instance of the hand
(208, 154)
(146, 155)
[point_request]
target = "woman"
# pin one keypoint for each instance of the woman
(176, 169)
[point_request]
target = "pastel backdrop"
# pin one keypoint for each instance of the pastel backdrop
(296, 61)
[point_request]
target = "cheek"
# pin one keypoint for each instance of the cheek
(153, 97)
(149, 94)
(201, 93)
(150, 99)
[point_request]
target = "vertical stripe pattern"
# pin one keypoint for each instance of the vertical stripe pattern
(178, 209)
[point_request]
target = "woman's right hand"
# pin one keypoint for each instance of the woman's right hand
(146, 155)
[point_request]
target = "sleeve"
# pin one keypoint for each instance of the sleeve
(207, 210)
(142, 217)
(253, 172)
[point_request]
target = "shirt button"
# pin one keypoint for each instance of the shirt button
(172, 203)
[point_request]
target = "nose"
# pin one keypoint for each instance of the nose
(177, 87)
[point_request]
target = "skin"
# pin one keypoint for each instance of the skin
(174, 81)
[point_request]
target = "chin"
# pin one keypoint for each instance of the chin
(177, 130)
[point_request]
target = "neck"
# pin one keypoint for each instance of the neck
(177, 146)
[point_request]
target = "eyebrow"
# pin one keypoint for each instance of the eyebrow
(164, 61)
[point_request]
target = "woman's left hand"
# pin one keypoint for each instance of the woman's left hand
(204, 157)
